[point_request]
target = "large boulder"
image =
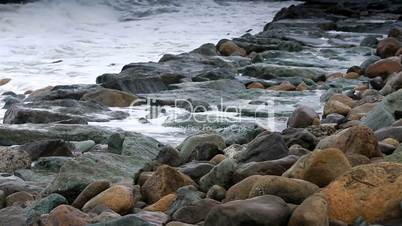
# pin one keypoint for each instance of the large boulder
(370, 191)
(221, 174)
(385, 113)
(201, 147)
(384, 67)
(302, 117)
(266, 146)
(264, 210)
(320, 167)
(354, 140)
(388, 47)
(164, 181)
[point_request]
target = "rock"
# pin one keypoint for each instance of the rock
(266, 146)
(388, 47)
(347, 195)
(46, 148)
(168, 156)
(357, 159)
(396, 156)
(185, 196)
(118, 198)
(265, 211)
(302, 87)
(352, 75)
(4, 81)
(384, 67)
(273, 167)
(45, 205)
(164, 181)
(377, 83)
(302, 117)
(338, 104)
(131, 219)
(369, 41)
(20, 198)
(221, 174)
(360, 111)
(298, 150)
(320, 167)
(291, 190)
(354, 140)
(143, 177)
(333, 118)
(155, 218)
(83, 146)
(196, 170)
(312, 212)
(217, 159)
(12, 159)
(196, 212)
(216, 192)
(299, 136)
(390, 141)
(229, 48)
(110, 98)
(271, 71)
(13, 216)
(176, 223)
(370, 60)
(2, 199)
(239, 134)
(105, 216)
(385, 148)
(65, 215)
(385, 113)
(284, 86)
(89, 192)
(51, 164)
(255, 85)
(390, 132)
(394, 83)
(201, 147)
(162, 204)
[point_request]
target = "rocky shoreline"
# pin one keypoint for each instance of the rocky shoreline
(336, 165)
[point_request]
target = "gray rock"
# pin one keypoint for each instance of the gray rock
(13, 216)
(299, 136)
(12, 159)
(195, 212)
(221, 174)
(216, 192)
(52, 164)
(201, 147)
(389, 132)
(196, 170)
(270, 71)
(47, 148)
(302, 117)
(239, 134)
(45, 205)
(128, 220)
(186, 196)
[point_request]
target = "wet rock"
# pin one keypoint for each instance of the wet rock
(302, 117)
(2, 199)
(12, 159)
(10, 185)
(13, 216)
(320, 167)
(47, 148)
(65, 215)
(370, 60)
(4, 81)
(273, 167)
(338, 104)
(201, 147)
(196, 212)
(162, 204)
(217, 159)
(20, 198)
(89, 192)
(291, 190)
(377, 83)
(118, 198)
(270, 71)
(239, 134)
(221, 174)
(216, 74)
(266, 146)
(370, 41)
(354, 140)
(284, 86)
(255, 85)
(208, 49)
(380, 182)
(388, 47)
(313, 212)
(299, 136)
(229, 48)
(196, 170)
(110, 98)
(265, 210)
(45, 205)
(385, 113)
(185, 196)
(384, 67)
(216, 192)
(164, 181)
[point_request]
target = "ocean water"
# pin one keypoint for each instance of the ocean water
(53, 42)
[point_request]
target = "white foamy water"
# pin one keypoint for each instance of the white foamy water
(54, 42)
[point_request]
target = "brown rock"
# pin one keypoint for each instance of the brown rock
(352, 75)
(4, 81)
(334, 106)
(217, 159)
(229, 48)
(399, 52)
(354, 140)
(384, 67)
(89, 192)
(65, 215)
(21, 198)
(242, 189)
(302, 117)
(40, 92)
(302, 87)
(118, 198)
(255, 85)
(163, 204)
(388, 47)
(195, 212)
(357, 159)
(111, 97)
(320, 167)
(284, 86)
(164, 181)
(143, 177)
(335, 76)
(360, 111)
(312, 212)
(371, 191)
